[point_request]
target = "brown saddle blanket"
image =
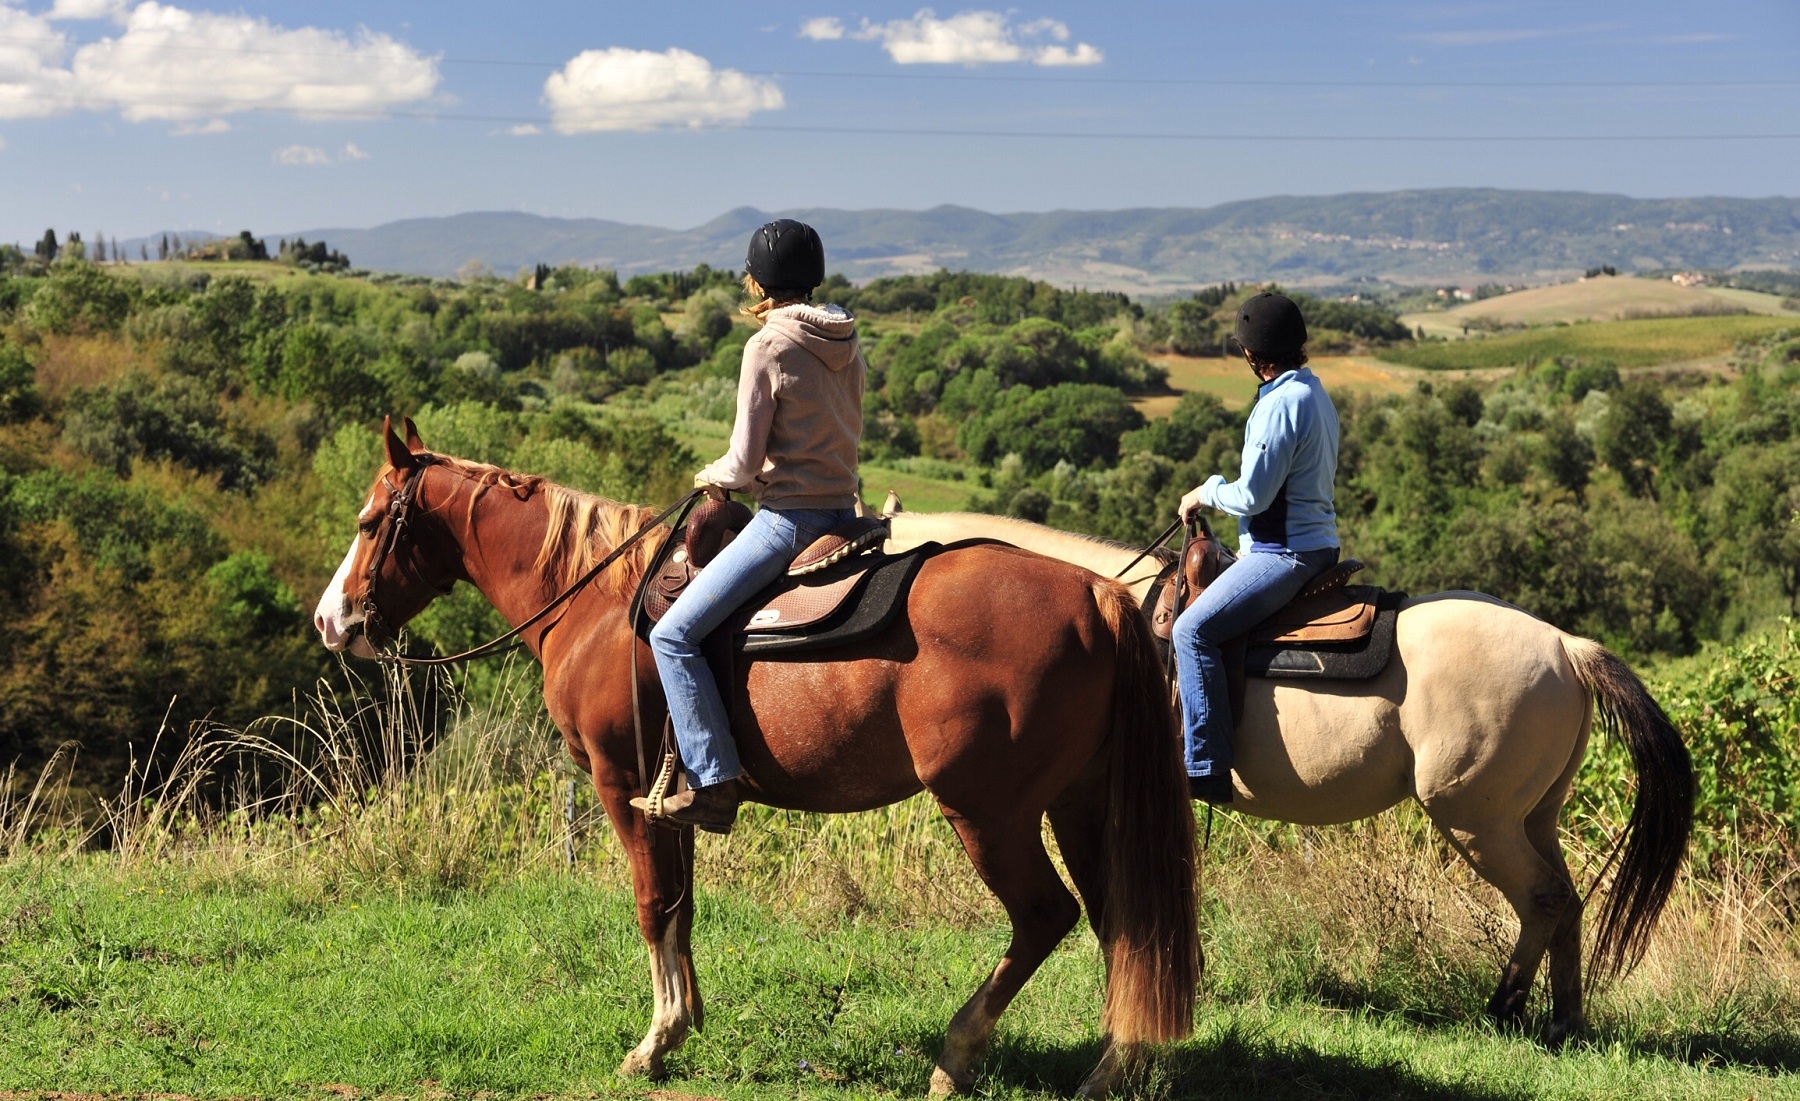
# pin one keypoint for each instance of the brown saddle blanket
(824, 575)
(1327, 610)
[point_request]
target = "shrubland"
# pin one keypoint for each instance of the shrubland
(182, 448)
(199, 807)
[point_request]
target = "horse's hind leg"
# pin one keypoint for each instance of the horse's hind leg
(1010, 858)
(1541, 826)
(1078, 819)
(1502, 853)
(1565, 940)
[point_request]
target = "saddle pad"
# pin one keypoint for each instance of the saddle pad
(810, 599)
(876, 592)
(1357, 659)
(1338, 615)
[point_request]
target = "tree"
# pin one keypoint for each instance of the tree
(1631, 435)
(1193, 331)
(1070, 422)
(47, 249)
(19, 396)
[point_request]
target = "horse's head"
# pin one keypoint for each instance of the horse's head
(389, 574)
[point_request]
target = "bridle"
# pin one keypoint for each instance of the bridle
(387, 537)
(393, 525)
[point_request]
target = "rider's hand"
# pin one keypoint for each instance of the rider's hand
(713, 491)
(1190, 506)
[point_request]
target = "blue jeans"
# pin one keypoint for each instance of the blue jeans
(759, 555)
(1256, 586)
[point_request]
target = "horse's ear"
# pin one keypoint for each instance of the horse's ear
(413, 443)
(398, 456)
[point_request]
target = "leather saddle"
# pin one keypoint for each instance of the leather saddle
(823, 579)
(1331, 630)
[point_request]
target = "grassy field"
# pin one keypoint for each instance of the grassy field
(171, 980)
(1231, 380)
(1607, 299)
(1645, 343)
(918, 492)
(416, 933)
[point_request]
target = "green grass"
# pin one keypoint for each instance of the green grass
(168, 982)
(918, 492)
(1646, 343)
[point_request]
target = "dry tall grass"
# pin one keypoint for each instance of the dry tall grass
(400, 793)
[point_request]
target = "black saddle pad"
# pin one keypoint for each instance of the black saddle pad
(1359, 660)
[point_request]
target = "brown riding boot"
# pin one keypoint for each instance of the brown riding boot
(712, 808)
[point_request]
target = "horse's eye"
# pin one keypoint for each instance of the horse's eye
(367, 527)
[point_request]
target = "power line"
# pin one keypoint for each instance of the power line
(999, 78)
(378, 115)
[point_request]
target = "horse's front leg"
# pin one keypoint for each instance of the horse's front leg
(662, 865)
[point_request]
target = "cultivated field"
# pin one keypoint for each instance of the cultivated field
(1647, 343)
(1230, 379)
(1609, 298)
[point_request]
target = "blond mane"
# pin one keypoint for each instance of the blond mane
(583, 528)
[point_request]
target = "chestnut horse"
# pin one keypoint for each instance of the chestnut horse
(1483, 716)
(1014, 687)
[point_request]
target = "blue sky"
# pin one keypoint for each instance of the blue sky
(130, 117)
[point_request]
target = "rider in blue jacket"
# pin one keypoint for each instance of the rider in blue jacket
(1287, 527)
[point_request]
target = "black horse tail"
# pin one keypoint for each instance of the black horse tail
(1152, 864)
(1662, 814)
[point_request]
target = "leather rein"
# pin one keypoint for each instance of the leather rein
(399, 513)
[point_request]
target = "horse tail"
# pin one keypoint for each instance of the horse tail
(1151, 933)
(1662, 813)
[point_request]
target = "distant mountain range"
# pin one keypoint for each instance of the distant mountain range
(1440, 235)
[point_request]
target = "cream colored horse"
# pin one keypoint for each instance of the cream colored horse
(1483, 716)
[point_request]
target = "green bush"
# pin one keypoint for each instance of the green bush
(1738, 710)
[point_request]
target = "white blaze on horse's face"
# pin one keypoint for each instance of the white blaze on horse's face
(334, 618)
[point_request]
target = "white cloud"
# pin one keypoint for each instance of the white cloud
(302, 155)
(525, 130)
(86, 9)
(176, 64)
(313, 156)
(1501, 36)
(623, 89)
(966, 38)
(211, 126)
(169, 63)
(33, 80)
(826, 28)
(1082, 54)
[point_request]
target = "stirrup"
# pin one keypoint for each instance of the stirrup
(660, 789)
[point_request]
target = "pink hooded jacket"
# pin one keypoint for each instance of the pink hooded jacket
(799, 412)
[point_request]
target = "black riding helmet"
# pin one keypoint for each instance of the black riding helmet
(1270, 326)
(786, 257)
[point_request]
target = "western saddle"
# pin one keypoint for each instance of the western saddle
(788, 606)
(1327, 610)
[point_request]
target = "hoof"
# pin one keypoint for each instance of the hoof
(1106, 1077)
(1508, 1011)
(943, 1085)
(1560, 1032)
(640, 1065)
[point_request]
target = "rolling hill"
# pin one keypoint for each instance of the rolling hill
(1440, 235)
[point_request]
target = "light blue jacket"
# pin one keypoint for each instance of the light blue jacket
(1283, 496)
